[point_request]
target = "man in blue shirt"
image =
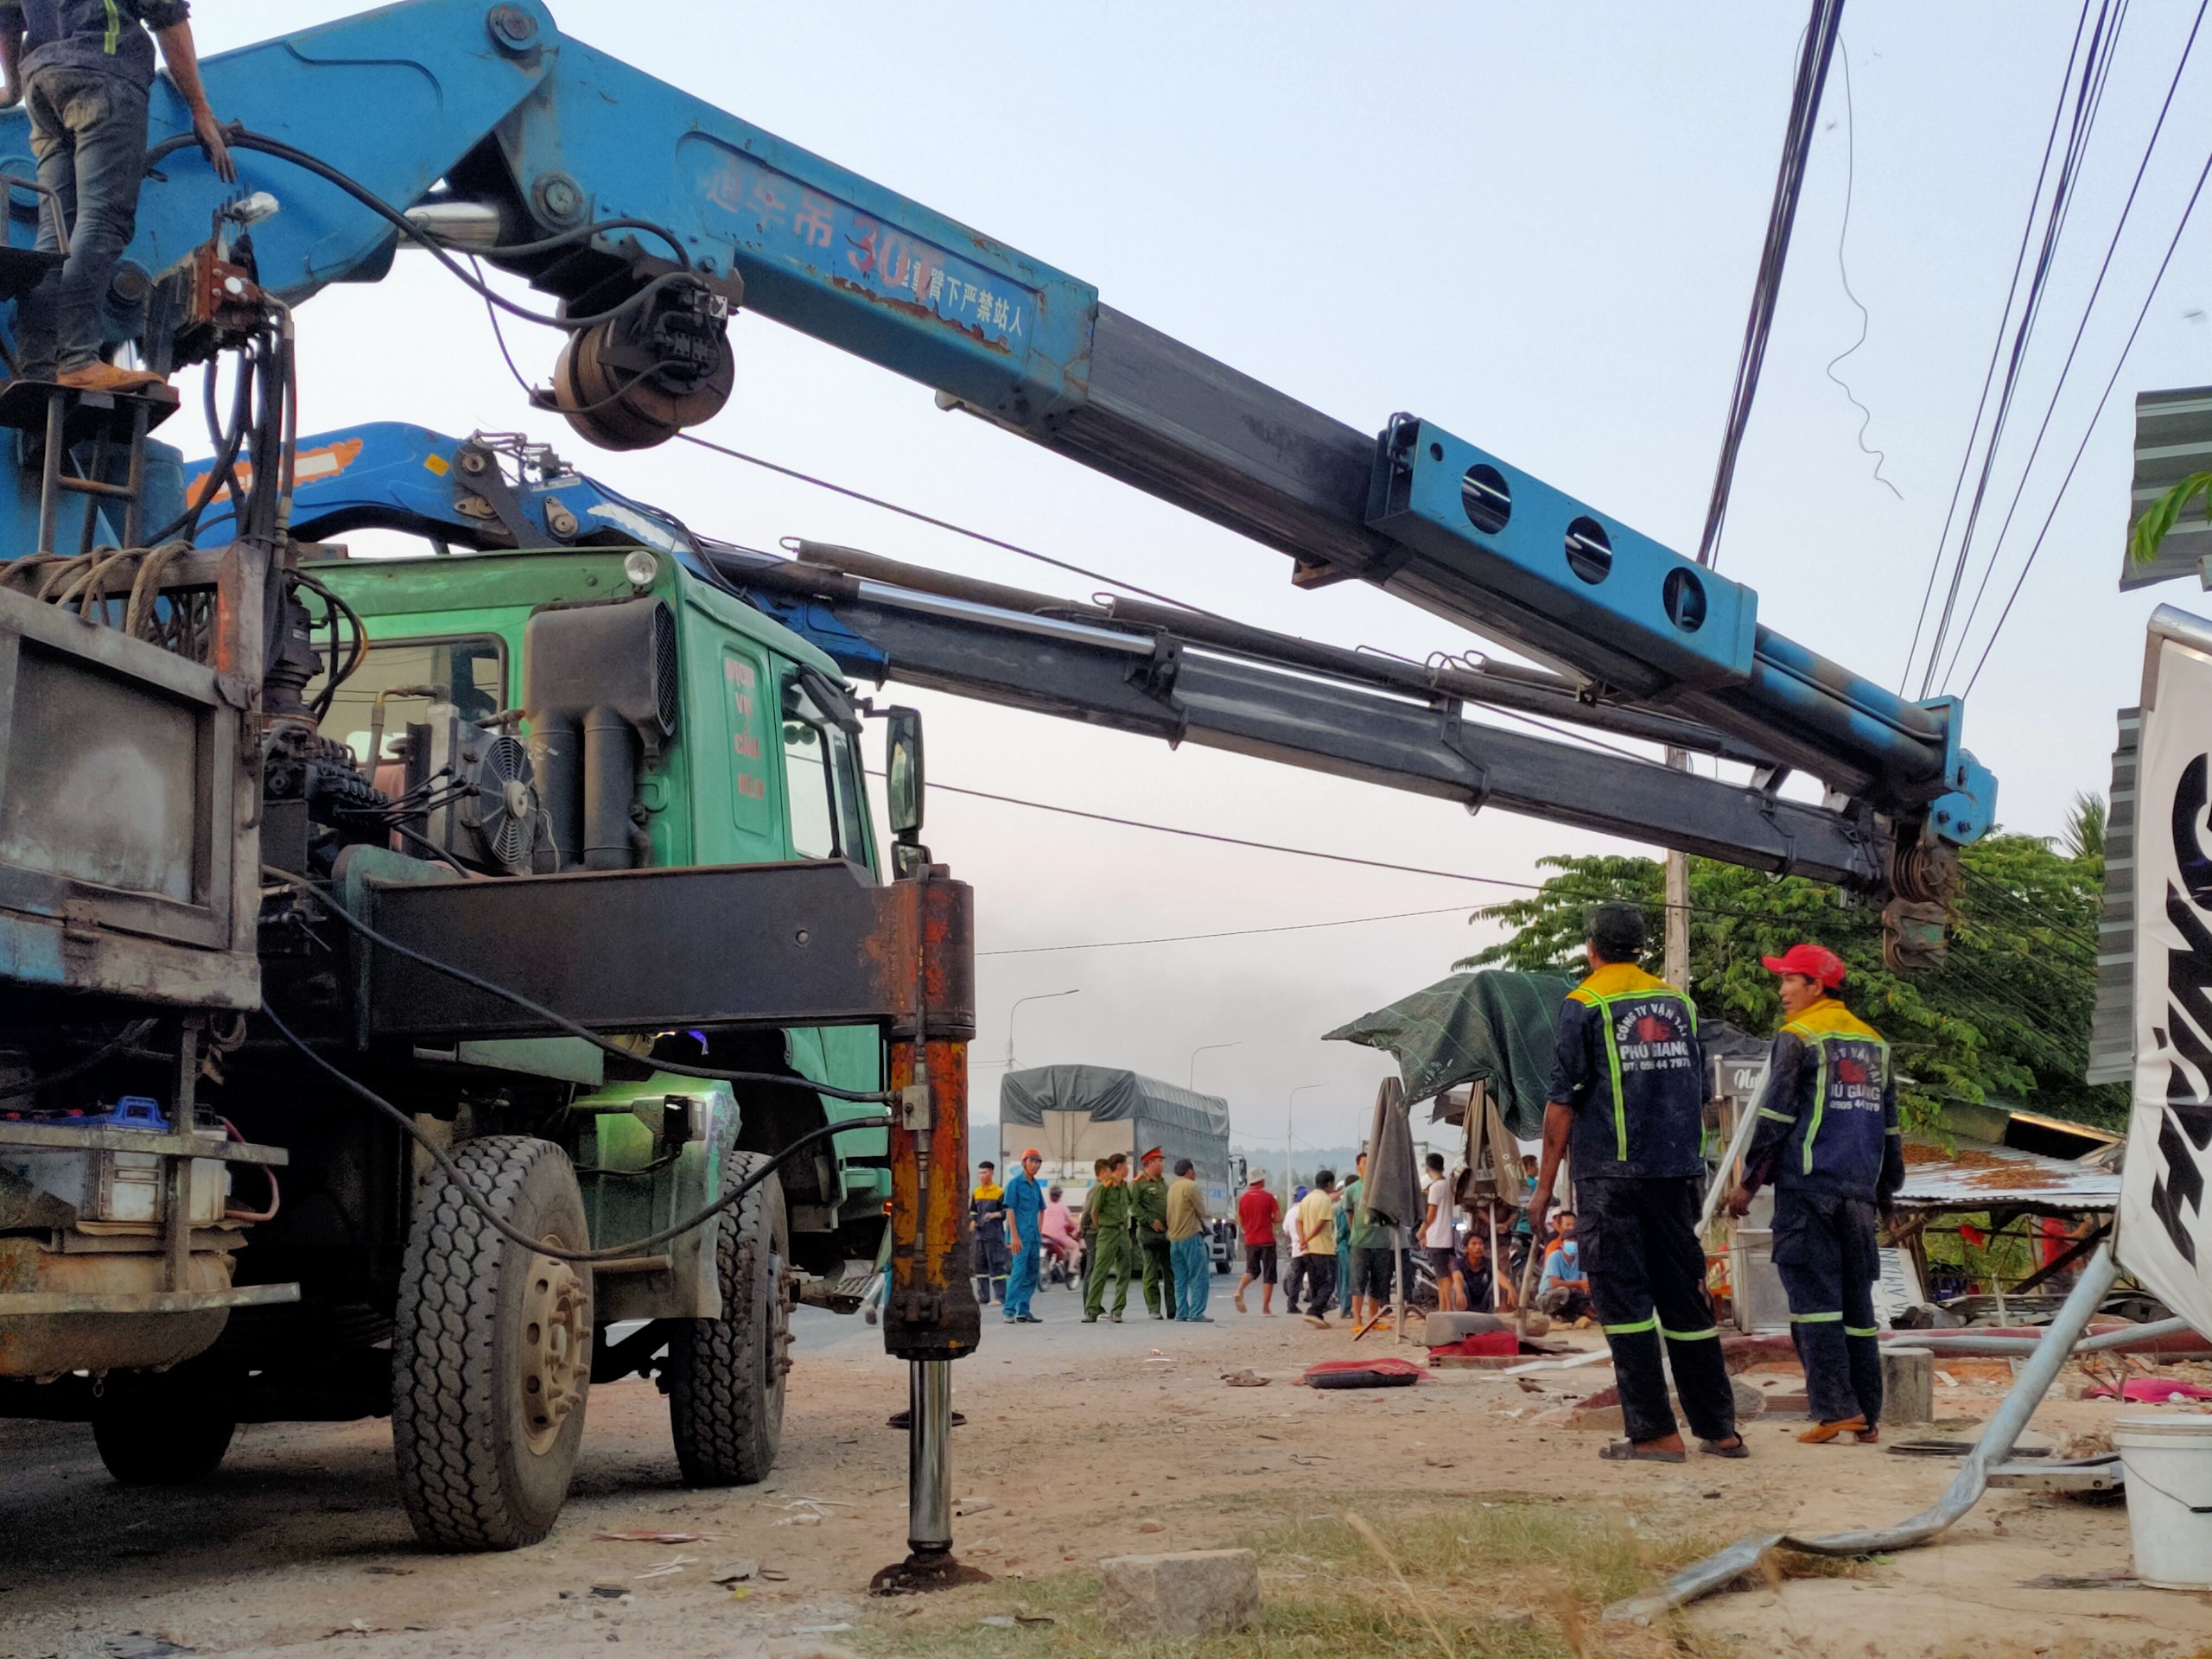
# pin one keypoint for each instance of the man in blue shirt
(1564, 1290)
(1827, 1137)
(82, 70)
(1025, 1217)
(1628, 1096)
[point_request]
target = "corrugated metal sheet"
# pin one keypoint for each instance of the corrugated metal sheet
(1982, 1178)
(2173, 438)
(2111, 1027)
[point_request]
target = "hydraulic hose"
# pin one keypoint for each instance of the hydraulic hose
(241, 139)
(513, 1236)
(711, 1074)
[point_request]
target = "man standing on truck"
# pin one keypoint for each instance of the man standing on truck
(1025, 1216)
(82, 70)
(987, 1213)
(1628, 1094)
(1148, 1197)
(1258, 1212)
(1107, 1219)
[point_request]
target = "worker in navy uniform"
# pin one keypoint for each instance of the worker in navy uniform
(1827, 1139)
(1626, 1105)
(987, 1215)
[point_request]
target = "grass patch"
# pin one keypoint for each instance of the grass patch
(1385, 1576)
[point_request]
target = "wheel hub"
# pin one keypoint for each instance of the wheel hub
(556, 1347)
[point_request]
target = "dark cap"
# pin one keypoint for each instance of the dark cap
(1616, 927)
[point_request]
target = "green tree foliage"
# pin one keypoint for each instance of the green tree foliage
(2007, 1015)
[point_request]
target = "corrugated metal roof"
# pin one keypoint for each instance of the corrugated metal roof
(2112, 1026)
(2173, 438)
(1982, 1178)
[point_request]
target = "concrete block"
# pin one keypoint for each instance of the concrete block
(1193, 1592)
(1908, 1384)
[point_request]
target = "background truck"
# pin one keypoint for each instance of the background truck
(1076, 1114)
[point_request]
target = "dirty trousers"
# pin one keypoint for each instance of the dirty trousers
(1158, 1275)
(1826, 1252)
(1647, 1277)
(1110, 1253)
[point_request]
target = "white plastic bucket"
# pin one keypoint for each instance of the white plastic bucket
(2168, 1463)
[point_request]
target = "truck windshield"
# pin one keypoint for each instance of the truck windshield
(408, 676)
(821, 782)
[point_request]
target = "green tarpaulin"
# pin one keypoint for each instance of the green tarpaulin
(1495, 1026)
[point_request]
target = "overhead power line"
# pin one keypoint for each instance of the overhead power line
(1996, 350)
(1821, 32)
(2095, 60)
(1843, 274)
(2051, 408)
(1232, 933)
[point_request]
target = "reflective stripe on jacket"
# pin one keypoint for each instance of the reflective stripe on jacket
(1631, 1066)
(1828, 1116)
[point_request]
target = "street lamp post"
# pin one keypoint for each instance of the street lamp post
(1192, 1081)
(1290, 1113)
(1039, 996)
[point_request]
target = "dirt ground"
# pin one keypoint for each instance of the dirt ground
(1081, 1442)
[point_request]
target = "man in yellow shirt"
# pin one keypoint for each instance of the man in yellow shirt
(1313, 1226)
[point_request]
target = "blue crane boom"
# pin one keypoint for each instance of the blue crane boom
(490, 125)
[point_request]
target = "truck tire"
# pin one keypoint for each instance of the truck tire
(491, 1349)
(726, 1376)
(147, 1447)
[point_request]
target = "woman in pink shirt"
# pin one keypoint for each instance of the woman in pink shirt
(1058, 1227)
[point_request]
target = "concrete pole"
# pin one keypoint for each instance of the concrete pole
(1677, 968)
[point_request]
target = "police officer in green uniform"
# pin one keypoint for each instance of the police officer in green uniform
(1106, 1219)
(1148, 1199)
(1827, 1137)
(1627, 1099)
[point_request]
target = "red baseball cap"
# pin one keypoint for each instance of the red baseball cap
(1033, 1153)
(1815, 962)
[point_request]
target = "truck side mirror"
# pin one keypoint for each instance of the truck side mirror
(903, 772)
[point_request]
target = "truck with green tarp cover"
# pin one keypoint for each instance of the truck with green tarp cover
(1075, 1114)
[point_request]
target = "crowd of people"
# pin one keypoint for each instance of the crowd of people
(1625, 1105)
(1326, 1254)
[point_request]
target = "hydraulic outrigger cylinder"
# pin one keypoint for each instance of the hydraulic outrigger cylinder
(931, 1314)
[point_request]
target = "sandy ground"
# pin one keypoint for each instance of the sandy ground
(1081, 1442)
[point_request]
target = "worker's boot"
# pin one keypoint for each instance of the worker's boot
(106, 377)
(1821, 1433)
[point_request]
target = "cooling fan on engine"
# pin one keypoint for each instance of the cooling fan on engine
(502, 812)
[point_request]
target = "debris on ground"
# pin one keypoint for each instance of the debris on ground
(1247, 1378)
(736, 1572)
(645, 1537)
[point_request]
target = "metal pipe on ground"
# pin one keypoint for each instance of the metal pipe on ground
(1996, 1444)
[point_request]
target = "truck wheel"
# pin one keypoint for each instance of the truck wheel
(726, 1376)
(491, 1349)
(147, 1447)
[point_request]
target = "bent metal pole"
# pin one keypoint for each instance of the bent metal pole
(1963, 1493)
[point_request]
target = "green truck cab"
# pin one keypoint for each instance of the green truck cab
(748, 754)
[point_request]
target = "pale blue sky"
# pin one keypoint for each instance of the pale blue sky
(1537, 224)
